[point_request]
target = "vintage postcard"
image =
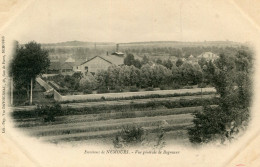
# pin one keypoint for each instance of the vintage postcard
(129, 83)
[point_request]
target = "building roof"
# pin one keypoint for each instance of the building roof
(118, 53)
(54, 65)
(114, 59)
(66, 65)
(208, 55)
(70, 60)
(96, 57)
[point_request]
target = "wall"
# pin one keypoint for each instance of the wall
(130, 94)
(57, 96)
(43, 84)
(95, 65)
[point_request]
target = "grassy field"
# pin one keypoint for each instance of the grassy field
(103, 120)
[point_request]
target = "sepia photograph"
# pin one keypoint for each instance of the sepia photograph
(129, 83)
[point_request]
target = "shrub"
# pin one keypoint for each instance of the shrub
(87, 91)
(202, 85)
(206, 125)
(149, 89)
(102, 90)
(129, 135)
(102, 108)
(214, 123)
(133, 89)
(176, 86)
(164, 87)
(48, 113)
(187, 87)
(118, 89)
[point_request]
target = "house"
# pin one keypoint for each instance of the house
(70, 60)
(57, 67)
(118, 54)
(98, 63)
(54, 67)
(67, 68)
(192, 59)
(208, 56)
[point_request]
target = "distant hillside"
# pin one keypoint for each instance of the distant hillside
(77, 43)
(183, 44)
(145, 43)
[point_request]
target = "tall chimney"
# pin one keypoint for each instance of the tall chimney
(117, 47)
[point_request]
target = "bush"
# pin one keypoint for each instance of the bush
(103, 108)
(176, 86)
(133, 89)
(214, 123)
(118, 89)
(48, 113)
(87, 91)
(129, 135)
(149, 89)
(206, 125)
(102, 90)
(202, 85)
(187, 87)
(164, 87)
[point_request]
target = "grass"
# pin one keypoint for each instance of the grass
(151, 96)
(104, 119)
(95, 109)
(107, 133)
(108, 124)
(108, 115)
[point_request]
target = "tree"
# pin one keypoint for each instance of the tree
(176, 74)
(161, 75)
(191, 74)
(113, 76)
(179, 62)
(159, 61)
(137, 63)
(28, 62)
(224, 75)
(202, 62)
(145, 60)
(129, 60)
(168, 64)
(146, 76)
(78, 75)
(102, 79)
(231, 78)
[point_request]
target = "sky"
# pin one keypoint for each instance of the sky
(49, 21)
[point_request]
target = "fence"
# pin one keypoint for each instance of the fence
(128, 94)
(57, 96)
(47, 87)
(43, 84)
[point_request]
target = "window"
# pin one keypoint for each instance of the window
(86, 68)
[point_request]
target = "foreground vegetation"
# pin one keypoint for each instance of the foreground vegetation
(232, 80)
(105, 121)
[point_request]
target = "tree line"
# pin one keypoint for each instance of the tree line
(232, 79)
(148, 75)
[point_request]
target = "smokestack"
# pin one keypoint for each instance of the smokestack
(117, 47)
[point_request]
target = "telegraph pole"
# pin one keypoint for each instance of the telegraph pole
(12, 90)
(31, 91)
